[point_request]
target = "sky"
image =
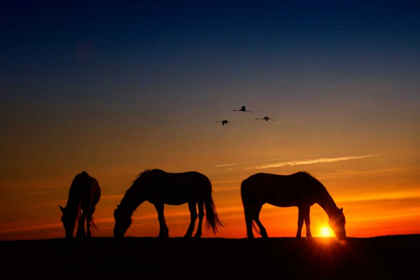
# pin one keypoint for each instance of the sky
(113, 88)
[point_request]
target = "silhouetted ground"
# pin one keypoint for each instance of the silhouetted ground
(389, 257)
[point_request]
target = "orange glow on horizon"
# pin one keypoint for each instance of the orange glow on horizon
(376, 202)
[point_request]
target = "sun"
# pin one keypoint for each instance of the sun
(325, 232)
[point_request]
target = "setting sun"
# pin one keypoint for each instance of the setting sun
(325, 232)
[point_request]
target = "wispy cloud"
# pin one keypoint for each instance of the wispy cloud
(36, 193)
(388, 196)
(30, 228)
(347, 173)
(306, 162)
(250, 162)
(313, 161)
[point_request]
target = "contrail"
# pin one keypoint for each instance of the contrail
(241, 163)
(313, 161)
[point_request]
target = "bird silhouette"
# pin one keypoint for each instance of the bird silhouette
(265, 118)
(224, 122)
(243, 109)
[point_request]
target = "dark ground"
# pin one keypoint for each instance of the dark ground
(388, 257)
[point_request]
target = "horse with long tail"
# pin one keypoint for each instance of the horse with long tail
(159, 188)
(298, 189)
(83, 197)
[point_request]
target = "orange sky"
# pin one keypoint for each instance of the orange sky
(379, 194)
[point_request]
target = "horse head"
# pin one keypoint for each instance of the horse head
(69, 221)
(337, 223)
(122, 221)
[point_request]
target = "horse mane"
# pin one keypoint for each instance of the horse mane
(323, 188)
(143, 175)
(312, 177)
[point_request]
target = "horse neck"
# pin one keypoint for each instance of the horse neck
(131, 200)
(73, 202)
(327, 203)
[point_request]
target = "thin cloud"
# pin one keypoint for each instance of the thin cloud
(36, 193)
(250, 162)
(347, 173)
(29, 228)
(313, 161)
(395, 196)
(297, 162)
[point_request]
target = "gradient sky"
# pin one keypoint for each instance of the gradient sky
(114, 89)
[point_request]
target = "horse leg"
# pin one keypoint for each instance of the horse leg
(88, 221)
(308, 223)
(200, 219)
(163, 231)
(81, 226)
(81, 222)
(193, 214)
(263, 231)
(251, 211)
(301, 217)
(248, 221)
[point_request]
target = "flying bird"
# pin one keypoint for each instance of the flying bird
(265, 118)
(224, 122)
(243, 109)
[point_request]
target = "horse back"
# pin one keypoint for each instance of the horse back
(85, 188)
(177, 188)
(281, 190)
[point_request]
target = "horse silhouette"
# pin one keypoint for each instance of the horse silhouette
(159, 187)
(299, 189)
(83, 197)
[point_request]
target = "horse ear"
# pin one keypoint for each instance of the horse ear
(61, 208)
(341, 209)
(118, 206)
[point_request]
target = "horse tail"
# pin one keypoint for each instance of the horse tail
(212, 219)
(247, 212)
(93, 224)
(255, 227)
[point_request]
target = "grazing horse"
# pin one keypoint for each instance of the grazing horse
(159, 187)
(84, 194)
(299, 189)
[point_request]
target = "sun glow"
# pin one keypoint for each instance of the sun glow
(325, 232)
